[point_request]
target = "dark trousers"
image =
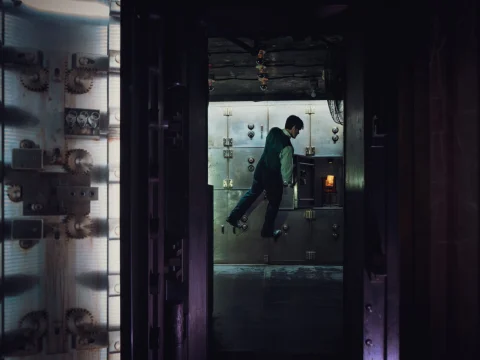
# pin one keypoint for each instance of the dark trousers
(274, 189)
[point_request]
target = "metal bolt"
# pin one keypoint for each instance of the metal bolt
(26, 244)
(369, 308)
(117, 230)
(368, 342)
(116, 288)
(36, 207)
(117, 345)
(244, 218)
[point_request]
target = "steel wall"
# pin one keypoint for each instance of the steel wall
(236, 134)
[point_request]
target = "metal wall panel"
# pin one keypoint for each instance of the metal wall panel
(277, 115)
(290, 247)
(242, 246)
(240, 169)
(327, 246)
(288, 199)
(248, 118)
(322, 129)
(217, 125)
(217, 168)
(220, 227)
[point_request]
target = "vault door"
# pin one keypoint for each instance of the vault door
(188, 212)
(165, 197)
(60, 180)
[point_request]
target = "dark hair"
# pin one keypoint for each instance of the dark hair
(292, 121)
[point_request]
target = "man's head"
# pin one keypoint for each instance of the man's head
(293, 125)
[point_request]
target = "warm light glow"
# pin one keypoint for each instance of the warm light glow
(329, 181)
(87, 9)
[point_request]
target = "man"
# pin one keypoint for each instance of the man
(274, 172)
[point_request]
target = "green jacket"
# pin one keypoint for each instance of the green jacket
(277, 157)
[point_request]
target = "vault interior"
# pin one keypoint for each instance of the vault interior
(264, 290)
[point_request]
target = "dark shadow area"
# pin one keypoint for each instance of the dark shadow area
(278, 309)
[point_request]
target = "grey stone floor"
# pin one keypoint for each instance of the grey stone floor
(283, 309)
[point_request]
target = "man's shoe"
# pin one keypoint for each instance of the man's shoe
(275, 235)
(232, 222)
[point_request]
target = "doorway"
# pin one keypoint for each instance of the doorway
(284, 297)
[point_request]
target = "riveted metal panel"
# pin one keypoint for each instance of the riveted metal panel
(217, 125)
(327, 237)
(248, 119)
(290, 247)
(323, 128)
(241, 167)
(243, 246)
(220, 227)
(217, 168)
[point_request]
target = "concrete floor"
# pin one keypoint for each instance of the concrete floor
(291, 310)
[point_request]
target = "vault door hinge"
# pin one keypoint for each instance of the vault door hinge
(310, 151)
(228, 184)
(227, 142)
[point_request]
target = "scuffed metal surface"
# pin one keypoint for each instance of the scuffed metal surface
(281, 309)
